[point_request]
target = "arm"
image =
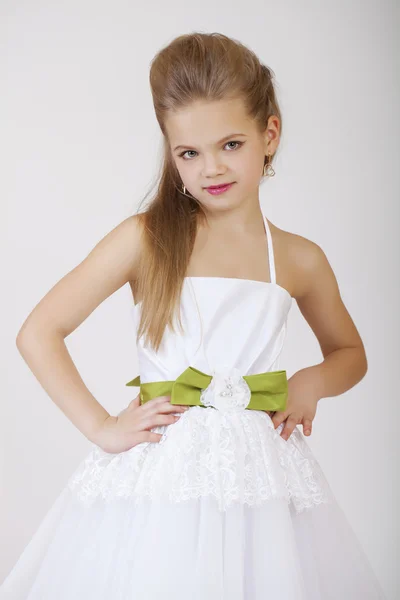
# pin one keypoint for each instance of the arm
(40, 341)
(320, 302)
(345, 362)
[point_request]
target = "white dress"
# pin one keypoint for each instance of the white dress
(222, 508)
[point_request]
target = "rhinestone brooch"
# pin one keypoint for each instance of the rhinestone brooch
(228, 391)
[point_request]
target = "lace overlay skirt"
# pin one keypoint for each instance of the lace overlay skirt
(222, 508)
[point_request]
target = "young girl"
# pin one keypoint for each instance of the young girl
(203, 488)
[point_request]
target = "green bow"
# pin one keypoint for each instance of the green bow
(269, 390)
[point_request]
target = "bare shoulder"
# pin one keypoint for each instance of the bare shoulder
(298, 261)
(120, 249)
(110, 264)
(304, 269)
(128, 236)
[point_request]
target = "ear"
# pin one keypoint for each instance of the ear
(267, 143)
(272, 135)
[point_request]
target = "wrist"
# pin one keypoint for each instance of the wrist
(97, 427)
(317, 373)
(313, 380)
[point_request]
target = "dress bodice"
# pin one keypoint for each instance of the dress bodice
(227, 322)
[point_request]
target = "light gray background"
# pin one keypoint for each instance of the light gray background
(80, 149)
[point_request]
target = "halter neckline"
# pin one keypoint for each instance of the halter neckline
(271, 258)
(271, 261)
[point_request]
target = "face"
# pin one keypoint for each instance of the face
(213, 143)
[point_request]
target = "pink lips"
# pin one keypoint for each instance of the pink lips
(219, 189)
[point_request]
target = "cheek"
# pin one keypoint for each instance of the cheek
(251, 169)
(186, 172)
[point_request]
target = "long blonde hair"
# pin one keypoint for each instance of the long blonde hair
(196, 66)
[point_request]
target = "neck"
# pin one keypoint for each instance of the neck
(240, 219)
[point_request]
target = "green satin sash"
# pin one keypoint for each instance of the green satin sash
(269, 390)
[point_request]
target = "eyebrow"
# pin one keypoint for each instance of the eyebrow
(220, 141)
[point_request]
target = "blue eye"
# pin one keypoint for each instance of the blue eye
(239, 144)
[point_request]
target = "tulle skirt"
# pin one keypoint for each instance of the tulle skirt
(222, 508)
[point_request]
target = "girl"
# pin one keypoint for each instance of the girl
(203, 487)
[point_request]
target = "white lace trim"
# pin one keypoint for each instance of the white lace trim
(233, 456)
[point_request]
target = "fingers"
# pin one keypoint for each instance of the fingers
(135, 403)
(147, 436)
(290, 423)
(155, 420)
(153, 413)
(160, 411)
(167, 407)
(289, 426)
(278, 418)
(162, 404)
(307, 426)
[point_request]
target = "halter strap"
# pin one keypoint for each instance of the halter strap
(270, 251)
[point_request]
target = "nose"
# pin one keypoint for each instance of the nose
(212, 166)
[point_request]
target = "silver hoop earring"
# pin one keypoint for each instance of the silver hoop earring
(184, 192)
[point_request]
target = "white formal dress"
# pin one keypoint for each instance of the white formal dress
(222, 508)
